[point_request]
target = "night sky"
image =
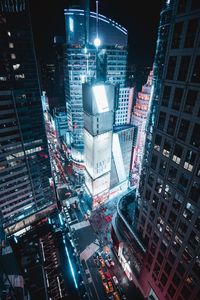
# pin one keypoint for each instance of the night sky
(141, 21)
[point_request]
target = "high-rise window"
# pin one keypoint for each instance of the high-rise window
(183, 129)
(176, 102)
(171, 67)
(183, 69)
(190, 101)
(196, 71)
(178, 27)
(191, 33)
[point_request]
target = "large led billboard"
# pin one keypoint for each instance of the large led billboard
(97, 153)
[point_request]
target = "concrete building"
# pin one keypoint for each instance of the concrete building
(98, 105)
(163, 234)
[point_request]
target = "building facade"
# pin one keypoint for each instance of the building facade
(24, 164)
(84, 62)
(98, 105)
(166, 216)
(139, 118)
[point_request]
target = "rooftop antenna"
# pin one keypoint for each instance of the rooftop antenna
(97, 41)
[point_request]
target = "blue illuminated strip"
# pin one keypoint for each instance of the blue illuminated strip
(60, 219)
(70, 264)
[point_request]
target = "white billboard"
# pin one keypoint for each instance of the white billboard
(97, 153)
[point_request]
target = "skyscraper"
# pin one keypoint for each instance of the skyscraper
(164, 232)
(84, 62)
(24, 159)
(98, 105)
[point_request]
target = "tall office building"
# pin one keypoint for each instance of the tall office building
(124, 106)
(85, 62)
(98, 105)
(24, 159)
(139, 119)
(164, 240)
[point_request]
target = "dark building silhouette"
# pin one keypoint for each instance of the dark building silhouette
(159, 245)
(24, 159)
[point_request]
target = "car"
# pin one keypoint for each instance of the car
(115, 280)
(110, 286)
(107, 263)
(123, 297)
(106, 287)
(116, 296)
(108, 276)
(101, 274)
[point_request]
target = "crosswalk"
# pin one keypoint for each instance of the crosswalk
(89, 251)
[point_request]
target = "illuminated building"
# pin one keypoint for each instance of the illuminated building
(124, 106)
(139, 119)
(167, 221)
(24, 159)
(60, 119)
(123, 141)
(98, 105)
(83, 63)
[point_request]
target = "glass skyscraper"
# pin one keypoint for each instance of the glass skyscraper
(24, 159)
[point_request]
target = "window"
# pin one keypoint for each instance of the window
(181, 6)
(151, 215)
(194, 240)
(195, 191)
(155, 201)
(148, 194)
(160, 258)
(162, 167)
(171, 257)
(183, 69)
(196, 267)
(163, 279)
(154, 160)
(177, 201)
(171, 125)
(189, 211)
(11, 45)
(13, 56)
(151, 179)
(159, 185)
(195, 139)
(185, 293)
(166, 148)
(178, 150)
(171, 290)
(172, 174)
(155, 238)
(178, 27)
(166, 95)
(177, 243)
(191, 33)
(163, 209)
(172, 219)
(197, 223)
(195, 4)
(156, 269)
(158, 141)
(190, 101)
(163, 246)
(180, 268)
(171, 67)
(196, 71)
(183, 129)
(183, 182)
(189, 160)
(161, 120)
(177, 98)
(182, 228)
(167, 268)
(176, 279)
(160, 223)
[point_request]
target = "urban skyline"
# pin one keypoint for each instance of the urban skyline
(99, 179)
